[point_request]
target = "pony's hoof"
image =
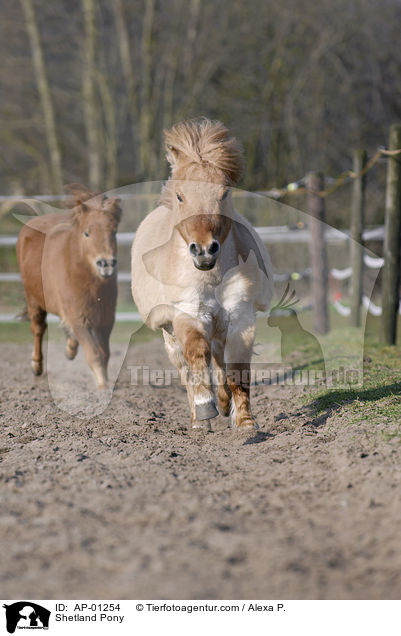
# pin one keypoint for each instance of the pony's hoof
(37, 367)
(247, 425)
(71, 348)
(206, 411)
(70, 353)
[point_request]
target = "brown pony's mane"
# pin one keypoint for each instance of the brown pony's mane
(201, 150)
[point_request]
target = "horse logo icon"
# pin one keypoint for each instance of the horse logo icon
(26, 615)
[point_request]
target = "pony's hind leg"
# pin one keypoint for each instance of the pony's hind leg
(71, 345)
(197, 354)
(96, 347)
(37, 317)
(224, 394)
(238, 355)
(176, 357)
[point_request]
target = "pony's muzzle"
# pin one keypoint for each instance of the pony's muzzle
(204, 257)
(106, 266)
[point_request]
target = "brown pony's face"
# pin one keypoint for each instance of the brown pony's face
(97, 221)
(204, 218)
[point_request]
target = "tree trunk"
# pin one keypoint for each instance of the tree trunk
(42, 83)
(318, 253)
(145, 117)
(391, 251)
(110, 136)
(88, 90)
(126, 65)
(193, 17)
(357, 225)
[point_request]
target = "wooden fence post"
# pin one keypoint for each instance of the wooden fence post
(391, 252)
(318, 252)
(357, 223)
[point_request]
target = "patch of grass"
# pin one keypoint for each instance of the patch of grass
(19, 332)
(388, 436)
(377, 403)
(334, 399)
(123, 332)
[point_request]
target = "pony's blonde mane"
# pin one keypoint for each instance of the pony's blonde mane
(202, 150)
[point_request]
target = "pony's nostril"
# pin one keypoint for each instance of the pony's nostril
(106, 262)
(194, 249)
(213, 247)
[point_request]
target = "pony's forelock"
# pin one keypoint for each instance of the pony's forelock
(205, 144)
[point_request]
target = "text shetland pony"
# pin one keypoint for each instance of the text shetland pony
(192, 246)
(68, 267)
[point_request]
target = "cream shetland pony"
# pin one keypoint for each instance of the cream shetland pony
(200, 271)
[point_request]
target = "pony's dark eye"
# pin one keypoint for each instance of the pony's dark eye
(86, 234)
(225, 195)
(179, 197)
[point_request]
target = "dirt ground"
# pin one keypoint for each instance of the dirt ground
(131, 504)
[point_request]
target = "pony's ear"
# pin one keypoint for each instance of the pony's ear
(172, 154)
(173, 149)
(79, 209)
(82, 207)
(112, 206)
(79, 193)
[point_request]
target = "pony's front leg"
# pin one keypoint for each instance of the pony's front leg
(238, 356)
(37, 316)
(197, 354)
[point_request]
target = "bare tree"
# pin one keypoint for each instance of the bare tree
(145, 116)
(89, 98)
(299, 83)
(45, 96)
(126, 64)
(110, 131)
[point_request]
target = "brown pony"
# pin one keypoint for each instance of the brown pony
(200, 271)
(69, 268)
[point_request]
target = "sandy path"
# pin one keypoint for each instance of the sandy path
(130, 504)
